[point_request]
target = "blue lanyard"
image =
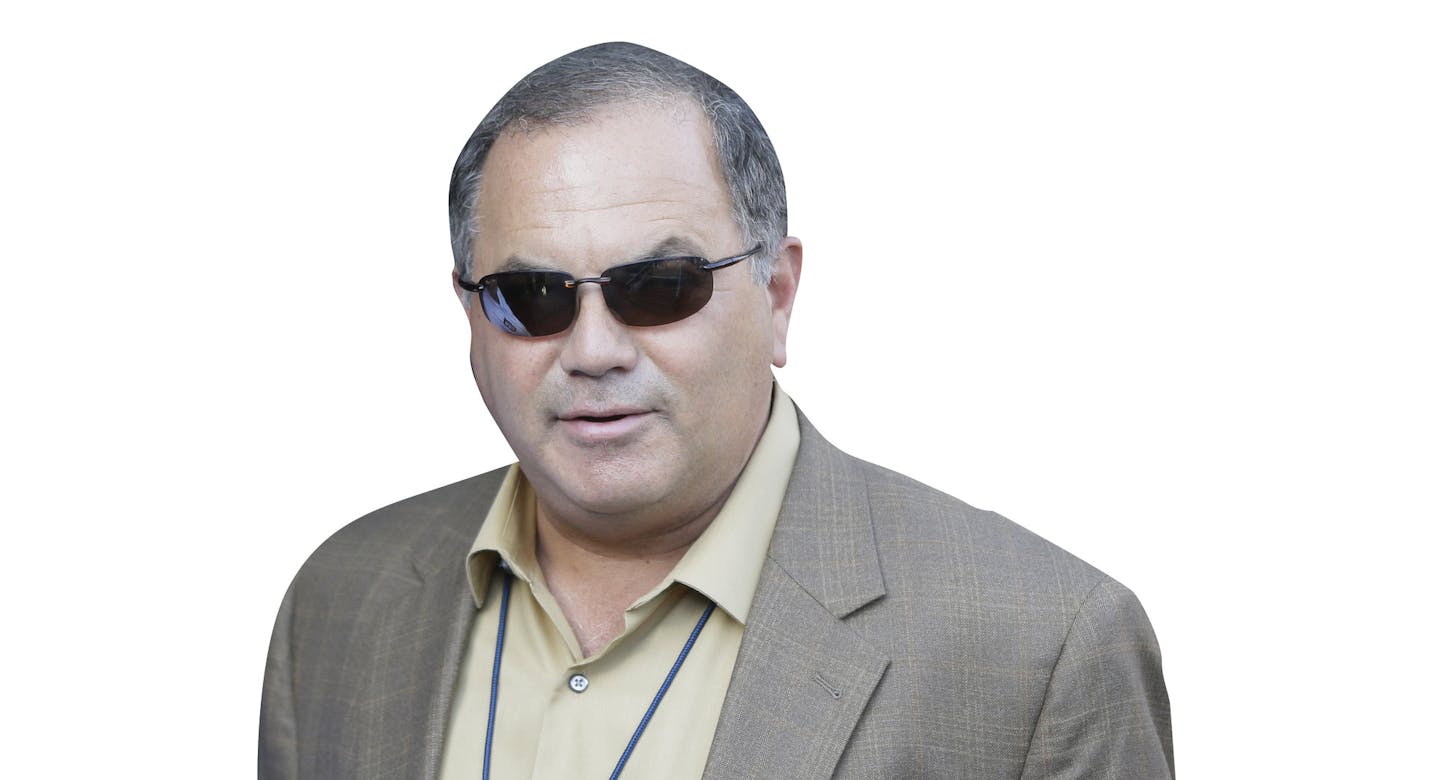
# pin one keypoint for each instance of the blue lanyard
(645, 721)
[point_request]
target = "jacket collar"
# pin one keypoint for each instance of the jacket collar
(825, 537)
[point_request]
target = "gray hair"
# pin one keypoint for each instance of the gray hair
(570, 89)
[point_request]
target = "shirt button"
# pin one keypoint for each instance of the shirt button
(579, 683)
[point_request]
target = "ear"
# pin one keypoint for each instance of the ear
(784, 280)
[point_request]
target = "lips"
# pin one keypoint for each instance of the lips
(610, 414)
(607, 424)
(600, 417)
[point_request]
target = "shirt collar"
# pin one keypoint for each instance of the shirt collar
(507, 534)
(724, 563)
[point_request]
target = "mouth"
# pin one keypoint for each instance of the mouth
(600, 418)
(597, 425)
(601, 413)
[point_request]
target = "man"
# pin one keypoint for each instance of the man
(680, 576)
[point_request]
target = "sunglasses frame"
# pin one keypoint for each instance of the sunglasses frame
(573, 283)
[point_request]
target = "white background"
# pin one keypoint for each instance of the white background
(1168, 292)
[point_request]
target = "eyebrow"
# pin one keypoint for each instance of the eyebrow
(673, 246)
(516, 263)
(670, 246)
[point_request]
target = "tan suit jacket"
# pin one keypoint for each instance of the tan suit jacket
(896, 632)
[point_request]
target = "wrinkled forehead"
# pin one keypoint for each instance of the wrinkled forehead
(669, 131)
(629, 175)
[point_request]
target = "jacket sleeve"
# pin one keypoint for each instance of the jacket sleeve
(1106, 712)
(279, 757)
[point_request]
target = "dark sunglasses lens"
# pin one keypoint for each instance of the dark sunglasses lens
(657, 292)
(529, 303)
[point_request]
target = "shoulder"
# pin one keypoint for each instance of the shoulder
(360, 626)
(1062, 656)
(935, 532)
(958, 579)
(930, 549)
(404, 536)
(978, 567)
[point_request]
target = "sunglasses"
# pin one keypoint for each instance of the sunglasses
(643, 293)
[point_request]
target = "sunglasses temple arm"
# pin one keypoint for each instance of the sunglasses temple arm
(729, 261)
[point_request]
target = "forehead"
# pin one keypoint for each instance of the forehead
(630, 176)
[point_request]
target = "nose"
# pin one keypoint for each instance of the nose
(597, 343)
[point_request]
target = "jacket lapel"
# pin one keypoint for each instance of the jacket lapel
(803, 677)
(449, 600)
(417, 646)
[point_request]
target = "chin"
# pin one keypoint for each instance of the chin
(619, 496)
(610, 486)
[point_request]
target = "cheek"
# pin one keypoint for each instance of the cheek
(725, 365)
(511, 372)
(488, 362)
(478, 366)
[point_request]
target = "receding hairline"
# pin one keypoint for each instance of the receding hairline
(575, 87)
(685, 113)
(662, 96)
(684, 108)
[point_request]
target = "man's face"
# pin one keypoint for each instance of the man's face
(624, 429)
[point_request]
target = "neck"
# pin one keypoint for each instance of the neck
(595, 580)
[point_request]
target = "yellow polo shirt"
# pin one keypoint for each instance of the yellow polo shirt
(549, 723)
